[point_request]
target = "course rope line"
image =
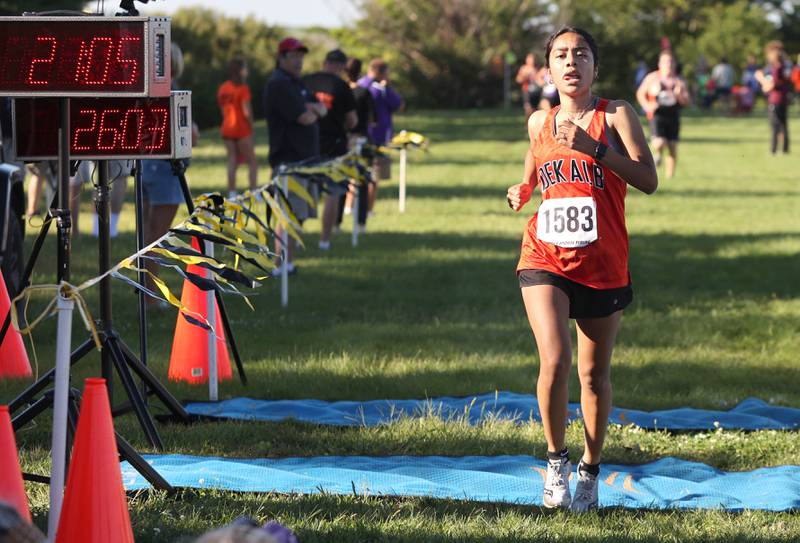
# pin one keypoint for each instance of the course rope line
(235, 224)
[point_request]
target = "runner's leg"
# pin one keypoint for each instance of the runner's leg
(547, 307)
(595, 344)
(230, 149)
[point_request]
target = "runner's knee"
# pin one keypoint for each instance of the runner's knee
(594, 379)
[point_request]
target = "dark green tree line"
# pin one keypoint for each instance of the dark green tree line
(209, 40)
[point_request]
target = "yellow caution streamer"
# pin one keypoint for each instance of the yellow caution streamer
(67, 291)
(404, 138)
(226, 220)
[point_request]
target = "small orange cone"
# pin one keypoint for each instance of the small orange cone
(189, 358)
(13, 358)
(12, 489)
(94, 508)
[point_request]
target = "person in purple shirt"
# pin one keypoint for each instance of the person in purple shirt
(776, 85)
(386, 101)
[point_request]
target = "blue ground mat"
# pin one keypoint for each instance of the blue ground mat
(751, 414)
(666, 483)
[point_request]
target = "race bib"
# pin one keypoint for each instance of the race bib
(567, 222)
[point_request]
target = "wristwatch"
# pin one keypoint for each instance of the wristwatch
(600, 151)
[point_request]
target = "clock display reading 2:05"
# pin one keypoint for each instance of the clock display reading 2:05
(72, 56)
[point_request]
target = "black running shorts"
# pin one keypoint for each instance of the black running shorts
(584, 302)
(667, 127)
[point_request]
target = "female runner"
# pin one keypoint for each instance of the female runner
(574, 258)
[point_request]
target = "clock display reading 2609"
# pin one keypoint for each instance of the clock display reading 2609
(84, 56)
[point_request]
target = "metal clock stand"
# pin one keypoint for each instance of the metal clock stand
(115, 354)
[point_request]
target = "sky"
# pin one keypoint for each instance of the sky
(288, 13)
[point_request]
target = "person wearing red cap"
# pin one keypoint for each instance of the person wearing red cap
(292, 120)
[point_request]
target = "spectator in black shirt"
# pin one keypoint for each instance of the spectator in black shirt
(292, 119)
(330, 89)
(365, 109)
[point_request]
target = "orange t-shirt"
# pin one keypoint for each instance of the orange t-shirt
(231, 99)
(565, 173)
(795, 77)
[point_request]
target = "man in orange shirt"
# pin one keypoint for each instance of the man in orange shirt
(233, 98)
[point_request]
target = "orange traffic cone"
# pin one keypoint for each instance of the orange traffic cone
(94, 508)
(189, 358)
(13, 358)
(12, 489)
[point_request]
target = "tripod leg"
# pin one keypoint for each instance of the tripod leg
(26, 276)
(144, 373)
(128, 383)
(229, 336)
(127, 452)
(27, 395)
(72, 421)
(32, 411)
(139, 206)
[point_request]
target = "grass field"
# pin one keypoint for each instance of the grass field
(428, 305)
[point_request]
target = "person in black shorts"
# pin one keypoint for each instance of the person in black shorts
(365, 110)
(330, 89)
(776, 85)
(662, 94)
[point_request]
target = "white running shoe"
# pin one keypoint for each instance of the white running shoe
(324, 245)
(556, 484)
(585, 492)
(278, 271)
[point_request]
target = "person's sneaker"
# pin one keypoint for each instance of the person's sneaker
(556, 484)
(324, 245)
(585, 492)
(278, 271)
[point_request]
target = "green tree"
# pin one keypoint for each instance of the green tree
(446, 53)
(209, 40)
(629, 31)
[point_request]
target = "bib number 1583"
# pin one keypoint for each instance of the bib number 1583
(567, 222)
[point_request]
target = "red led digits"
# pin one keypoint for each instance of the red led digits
(131, 64)
(125, 136)
(99, 128)
(88, 57)
(161, 116)
(107, 127)
(89, 131)
(123, 130)
(47, 61)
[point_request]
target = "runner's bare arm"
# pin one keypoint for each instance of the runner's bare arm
(641, 92)
(682, 92)
(637, 168)
(518, 195)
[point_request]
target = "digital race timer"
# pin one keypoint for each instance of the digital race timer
(104, 128)
(84, 56)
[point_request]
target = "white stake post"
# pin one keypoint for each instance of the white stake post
(360, 141)
(403, 160)
(211, 317)
(285, 245)
(354, 211)
(64, 306)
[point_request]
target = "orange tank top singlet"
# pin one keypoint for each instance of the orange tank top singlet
(566, 173)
